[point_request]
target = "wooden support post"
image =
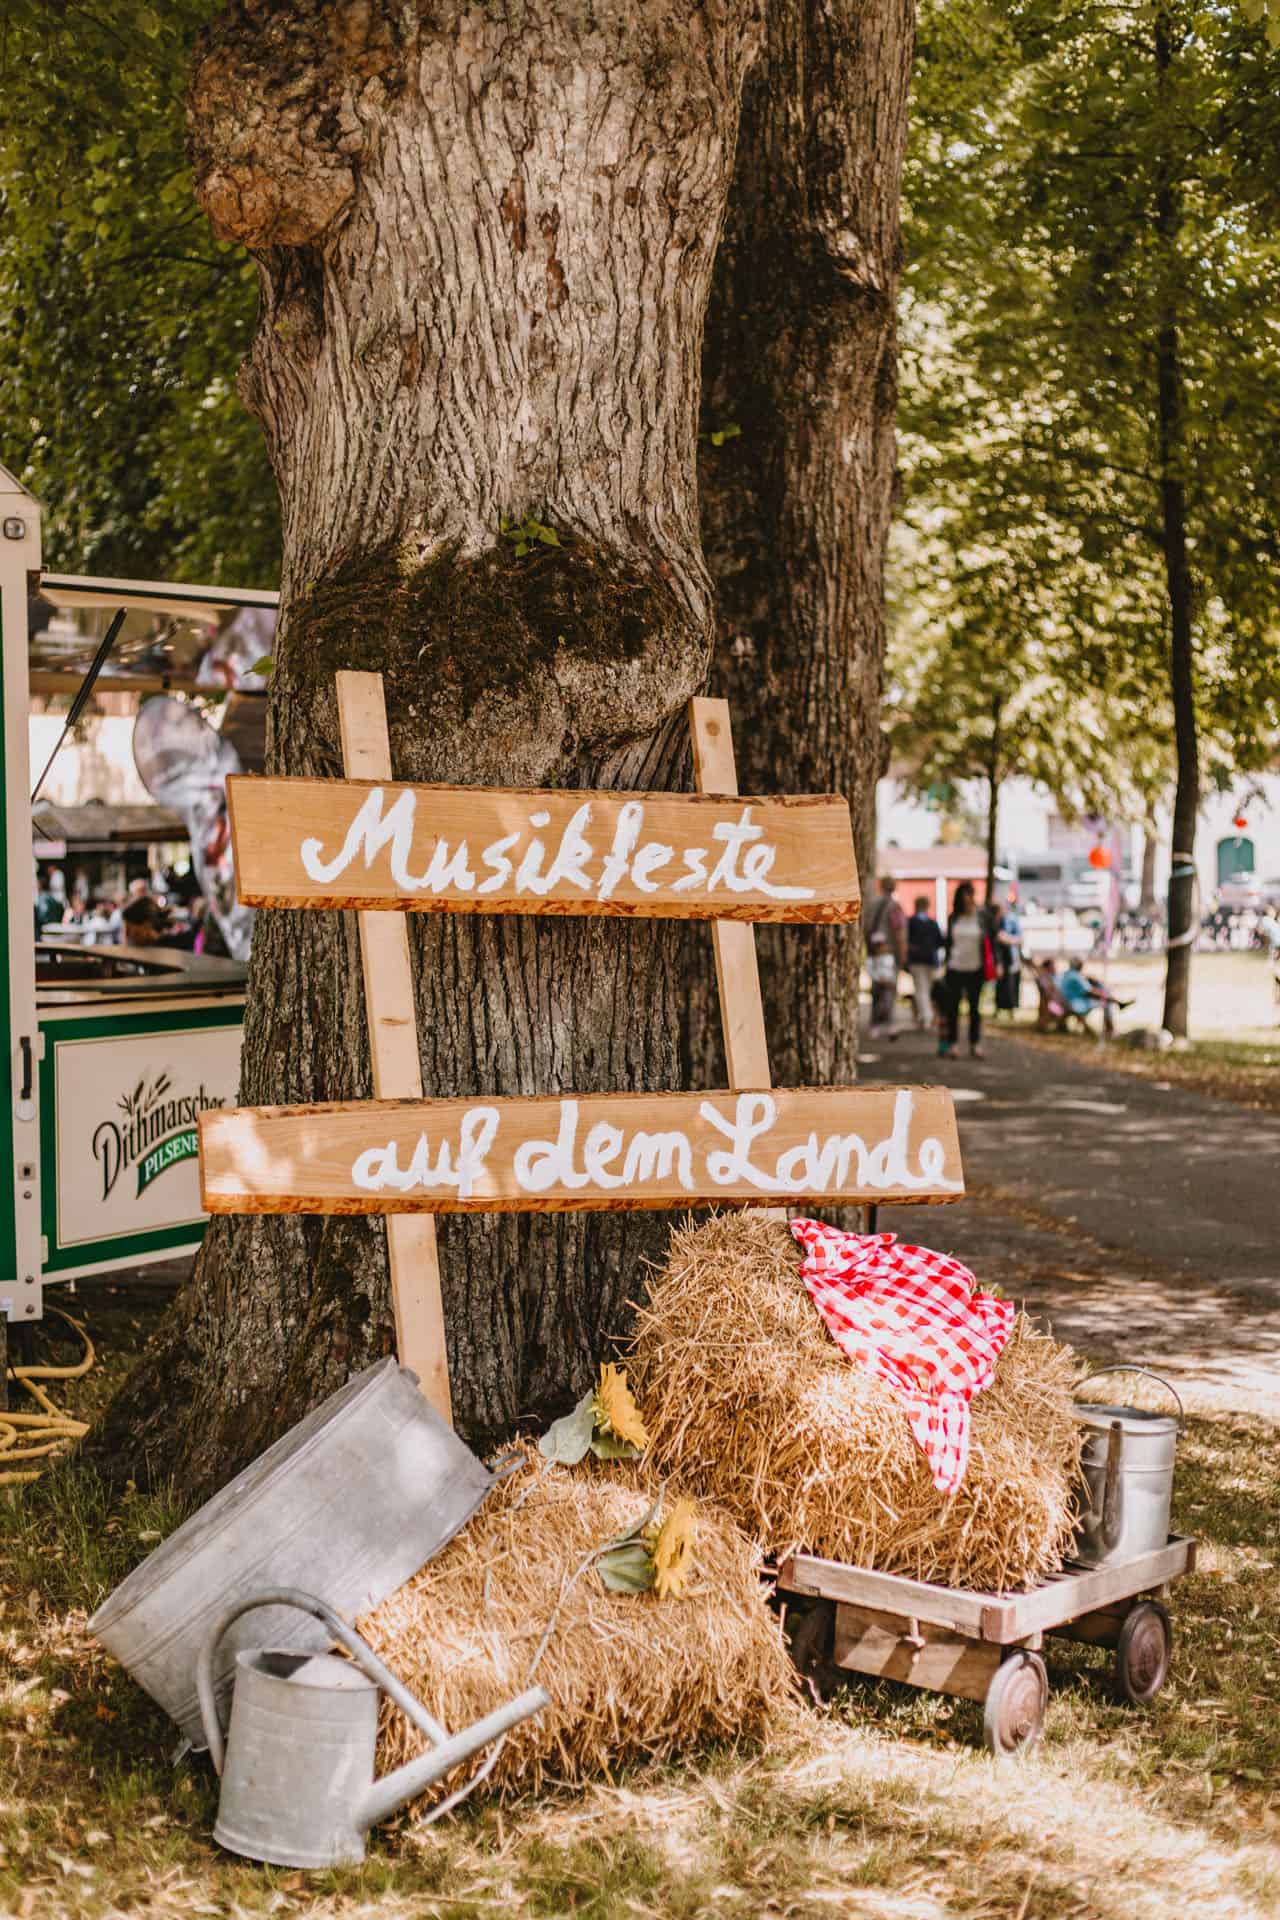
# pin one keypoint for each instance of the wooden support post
(397, 1068)
(737, 972)
(746, 1044)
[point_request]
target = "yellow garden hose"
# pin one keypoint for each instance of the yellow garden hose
(33, 1436)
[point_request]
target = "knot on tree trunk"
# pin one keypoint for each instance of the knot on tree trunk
(282, 93)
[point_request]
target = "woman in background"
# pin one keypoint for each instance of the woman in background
(967, 948)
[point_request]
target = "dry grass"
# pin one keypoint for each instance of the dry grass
(632, 1678)
(749, 1403)
(882, 1808)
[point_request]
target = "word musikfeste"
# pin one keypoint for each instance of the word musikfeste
(743, 859)
(612, 1158)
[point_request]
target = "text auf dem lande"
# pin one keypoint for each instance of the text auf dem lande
(611, 1157)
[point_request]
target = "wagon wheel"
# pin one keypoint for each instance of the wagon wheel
(1142, 1653)
(1013, 1711)
(811, 1635)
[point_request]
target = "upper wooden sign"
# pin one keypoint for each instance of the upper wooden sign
(423, 849)
(838, 1144)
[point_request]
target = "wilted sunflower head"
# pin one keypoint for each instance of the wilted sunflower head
(673, 1551)
(616, 1410)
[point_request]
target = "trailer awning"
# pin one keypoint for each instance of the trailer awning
(99, 827)
(149, 596)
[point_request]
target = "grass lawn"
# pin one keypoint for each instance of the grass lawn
(1235, 1049)
(882, 1804)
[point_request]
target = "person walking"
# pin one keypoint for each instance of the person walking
(1007, 929)
(886, 956)
(926, 944)
(968, 952)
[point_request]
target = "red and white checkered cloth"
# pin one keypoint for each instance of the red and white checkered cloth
(913, 1317)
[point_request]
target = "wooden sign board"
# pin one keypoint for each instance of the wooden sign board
(839, 1145)
(432, 849)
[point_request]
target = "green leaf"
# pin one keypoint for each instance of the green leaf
(548, 535)
(722, 434)
(607, 1446)
(626, 1569)
(263, 666)
(568, 1439)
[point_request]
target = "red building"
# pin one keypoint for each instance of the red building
(935, 872)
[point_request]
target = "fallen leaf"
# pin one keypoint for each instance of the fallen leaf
(70, 1866)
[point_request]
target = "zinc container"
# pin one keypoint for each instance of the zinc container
(348, 1505)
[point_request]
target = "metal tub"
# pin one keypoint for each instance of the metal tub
(348, 1504)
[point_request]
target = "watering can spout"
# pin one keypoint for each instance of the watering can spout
(410, 1780)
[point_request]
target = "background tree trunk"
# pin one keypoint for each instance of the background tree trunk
(1147, 902)
(994, 776)
(1171, 428)
(800, 356)
(485, 248)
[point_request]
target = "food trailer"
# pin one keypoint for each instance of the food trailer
(114, 1050)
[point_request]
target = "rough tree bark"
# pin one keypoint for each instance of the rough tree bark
(485, 237)
(800, 356)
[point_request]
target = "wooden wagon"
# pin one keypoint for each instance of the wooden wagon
(982, 1646)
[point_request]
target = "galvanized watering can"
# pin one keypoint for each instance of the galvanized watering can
(297, 1762)
(1127, 1466)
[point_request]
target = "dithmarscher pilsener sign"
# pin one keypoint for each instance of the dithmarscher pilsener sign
(126, 1108)
(153, 1129)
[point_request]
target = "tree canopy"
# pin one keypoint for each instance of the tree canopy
(122, 320)
(1092, 401)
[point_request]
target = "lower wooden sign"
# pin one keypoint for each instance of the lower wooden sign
(660, 1150)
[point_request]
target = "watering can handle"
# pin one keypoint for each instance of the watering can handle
(364, 1657)
(1101, 1372)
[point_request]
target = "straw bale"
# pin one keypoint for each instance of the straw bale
(750, 1403)
(632, 1678)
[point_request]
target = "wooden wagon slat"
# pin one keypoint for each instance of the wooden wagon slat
(1003, 1618)
(883, 1592)
(1010, 1617)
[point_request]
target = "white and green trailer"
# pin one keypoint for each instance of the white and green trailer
(112, 1057)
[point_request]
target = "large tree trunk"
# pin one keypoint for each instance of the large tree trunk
(800, 356)
(485, 245)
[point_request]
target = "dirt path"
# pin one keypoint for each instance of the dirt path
(1142, 1222)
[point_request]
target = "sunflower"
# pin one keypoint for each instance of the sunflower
(672, 1551)
(616, 1410)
